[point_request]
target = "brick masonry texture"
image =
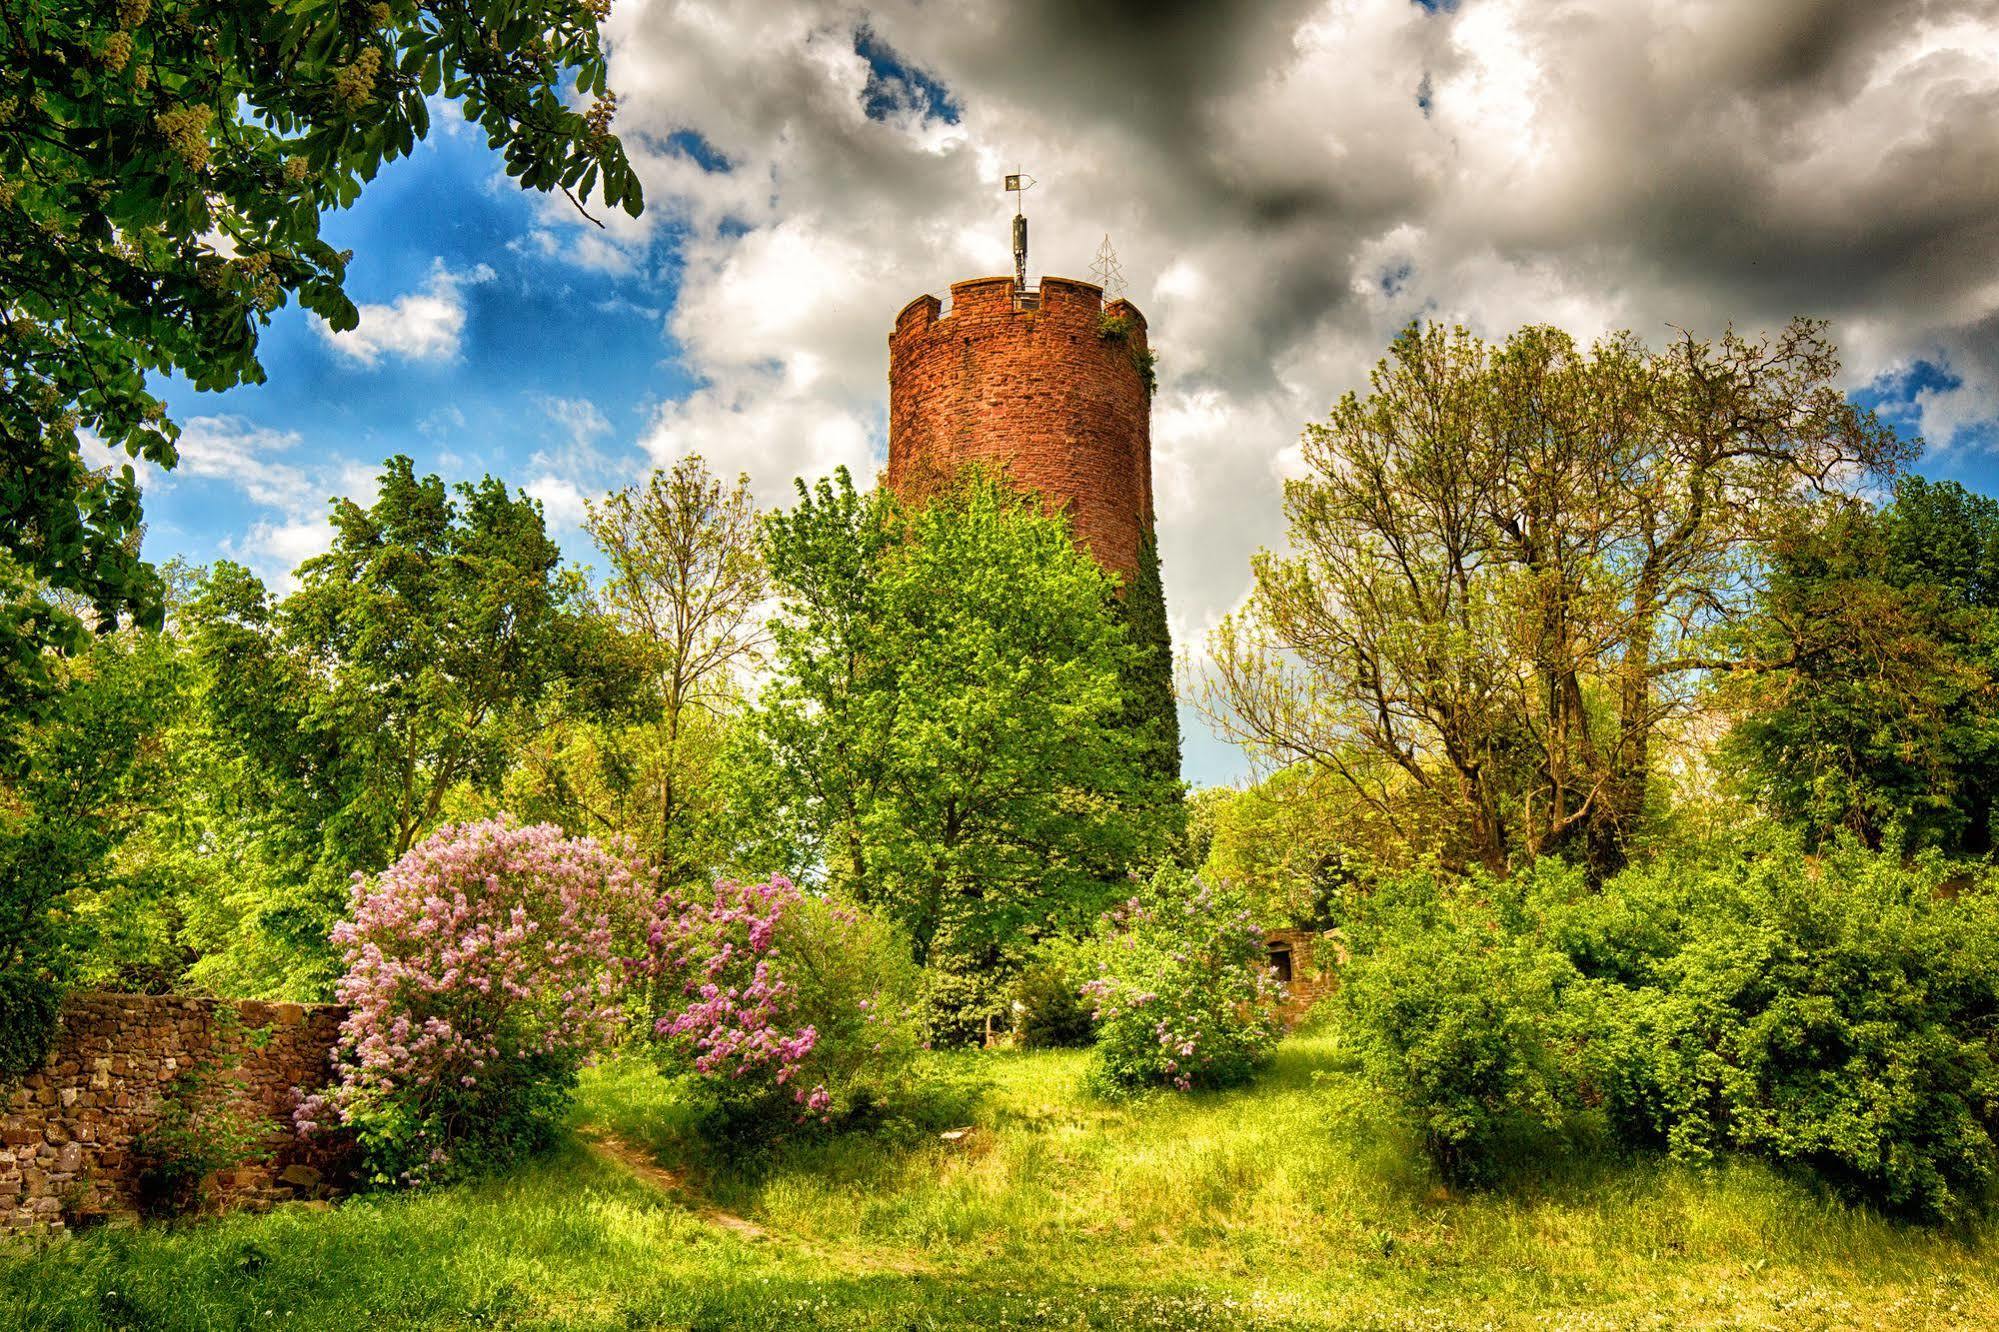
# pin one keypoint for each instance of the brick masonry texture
(1036, 394)
(1313, 957)
(66, 1134)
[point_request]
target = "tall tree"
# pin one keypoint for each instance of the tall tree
(1299, 840)
(84, 776)
(406, 664)
(945, 722)
(686, 581)
(1509, 563)
(163, 168)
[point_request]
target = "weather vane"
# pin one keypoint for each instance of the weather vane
(1109, 275)
(1019, 184)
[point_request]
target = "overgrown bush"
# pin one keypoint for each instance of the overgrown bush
(1833, 1014)
(1048, 1009)
(965, 995)
(1836, 1014)
(1454, 1014)
(1180, 989)
(199, 1128)
(483, 968)
(787, 1010)
(198, 1132)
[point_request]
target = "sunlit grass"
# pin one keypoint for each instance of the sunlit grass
(1270, 1206)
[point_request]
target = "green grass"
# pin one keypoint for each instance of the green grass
(1259, 1208)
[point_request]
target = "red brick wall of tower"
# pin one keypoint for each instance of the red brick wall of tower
(1039, 395)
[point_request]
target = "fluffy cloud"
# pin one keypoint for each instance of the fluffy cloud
(264, 466)
(423, 325)
(1289, 183)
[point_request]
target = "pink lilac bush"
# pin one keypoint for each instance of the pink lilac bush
(483, 968)
(735, 1011)
(1182, 992)
(788, 1008)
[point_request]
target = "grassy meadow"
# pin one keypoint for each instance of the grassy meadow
(1288, 1204)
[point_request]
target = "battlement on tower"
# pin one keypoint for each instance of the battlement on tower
(1066, 301)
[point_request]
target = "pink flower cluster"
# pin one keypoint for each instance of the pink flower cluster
(734, 1007)
(487, 944)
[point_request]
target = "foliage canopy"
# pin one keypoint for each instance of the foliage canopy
(1878, 712)
(163, 168)
(1509, 563)
(944, 727)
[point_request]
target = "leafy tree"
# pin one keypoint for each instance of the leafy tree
(1509, 564)
(686, 582)
(86, 774)
(1297, 842)
(163, 168)
(407, 663)
(944, 730)
(1878, 712)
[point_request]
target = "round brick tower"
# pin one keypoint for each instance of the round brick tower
(1046, 389)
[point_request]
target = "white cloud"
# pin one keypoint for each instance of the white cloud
(442, 422)
(562, 503)
(1287, 184)
(425, 325)
(573, 466)
(763, 423)
(265, 466)
(248, 456)
(274, 549)
(578, 418)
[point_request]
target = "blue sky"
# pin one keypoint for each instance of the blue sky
(1286, 185)
(541, 335)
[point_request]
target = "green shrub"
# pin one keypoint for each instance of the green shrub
(1048, 1011)
(962, 997)
(1834, 1015)
(1180, 989)
(1455, 1015)
(856, 986)
(794, 1012)
(30, 1013)
(198, 1129)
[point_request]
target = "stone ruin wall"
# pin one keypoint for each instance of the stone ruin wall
(1036, 393)
(1313, 958)
(66, 1158)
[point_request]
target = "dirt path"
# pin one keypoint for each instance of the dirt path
(639, 1162)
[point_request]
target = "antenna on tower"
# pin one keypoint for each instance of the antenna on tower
(1109, 275)
(1018, 184)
